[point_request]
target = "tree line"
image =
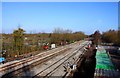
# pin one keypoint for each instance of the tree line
(19, 42)
(111, 36)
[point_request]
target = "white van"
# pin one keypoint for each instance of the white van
(53, 46)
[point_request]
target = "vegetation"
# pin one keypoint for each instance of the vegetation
(96, 37)
(61, 36)
(19, 42)
(111, 36)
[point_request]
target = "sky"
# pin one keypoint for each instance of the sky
(60, 0)
(46, 16)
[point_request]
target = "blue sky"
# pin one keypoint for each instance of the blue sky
(45, 16)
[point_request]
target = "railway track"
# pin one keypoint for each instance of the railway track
(24, 62)
(57, 63)
(47, 72)
(39, 61)
(9, 66)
